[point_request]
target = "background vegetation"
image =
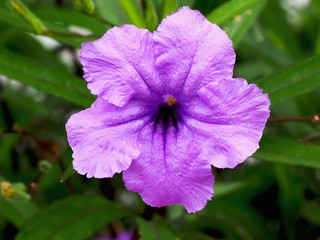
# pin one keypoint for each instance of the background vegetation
(274, 195)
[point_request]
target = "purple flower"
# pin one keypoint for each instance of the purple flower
(167, 109)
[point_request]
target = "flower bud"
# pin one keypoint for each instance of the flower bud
(7, 190)
(44, 166)
(86, 6)
(14, 191)
(20, 9)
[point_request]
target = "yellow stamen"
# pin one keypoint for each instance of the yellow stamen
(171, 100)
(7, 190)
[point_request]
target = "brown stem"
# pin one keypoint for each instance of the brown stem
(315, 119)
(55, 150)
(34, 183)
(135, 234)
(310, 137)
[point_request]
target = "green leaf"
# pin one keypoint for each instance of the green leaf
(69, 17)
(252, 70)
(68, 172)
(257, 179)
(234, 220)
(24, 102)
(75, 218)
(133, 13)
(290, 194)
(151, 15)
(8, 16)
(111, 11)
(230, 10)
(157, 229)
(16, 211)
(260, 47)
(293, 81)
(169, 6)
(23, 11)
(43, 77)
(289, 151)
(311, 211)
(12, 38)
(223, 189)
(61, 32)
(278, 28)
(189, 3)
(7, 142)
(238, 26)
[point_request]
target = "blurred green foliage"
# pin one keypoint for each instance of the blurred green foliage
(274, 195)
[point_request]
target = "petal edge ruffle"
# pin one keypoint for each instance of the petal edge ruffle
(120, 65)
(227, 119)
(191, 52)
(104, 137)
(170, 172)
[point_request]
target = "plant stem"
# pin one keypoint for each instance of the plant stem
(34, 183)
(315, 119)
(310, 137)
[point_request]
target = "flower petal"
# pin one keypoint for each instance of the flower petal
(227, 119)
(120, 65)
(191, 52)
(104, 137)
(168, 170)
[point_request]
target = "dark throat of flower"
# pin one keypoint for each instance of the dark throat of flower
(167, 114)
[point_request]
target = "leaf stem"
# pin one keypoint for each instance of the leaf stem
(34, 183)
(310, 137)
(314, 119)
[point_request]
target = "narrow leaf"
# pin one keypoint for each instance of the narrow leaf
(189, 3)
(68, 172)
(69, 17)
(233, 220)
(278, 28)
(22, 10)
(151, 15)
(260, 47)
(293, 81)
(239, 25)
(157, 229)
(57, 31)
(169, 6)
(290, 193)
(230, 10)
(72, 218)
(289, 151)
(43, 77)
(133, 13)
(111, 11)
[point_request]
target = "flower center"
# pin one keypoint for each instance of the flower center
(169, 99)
(167, 113)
